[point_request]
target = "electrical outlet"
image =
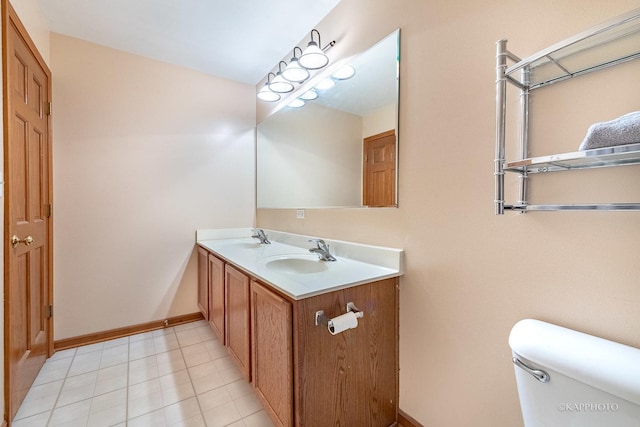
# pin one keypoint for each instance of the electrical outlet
(300, 213)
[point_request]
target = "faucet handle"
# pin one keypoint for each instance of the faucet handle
(322, 249)
(261, 236)
(319, 243)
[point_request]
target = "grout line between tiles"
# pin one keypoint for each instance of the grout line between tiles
(126, 410)
(64, 381)
(195, 393)
(172, 333)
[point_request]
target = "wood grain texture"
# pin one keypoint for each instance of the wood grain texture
(379, 170)
(216, 296)
(28, 287)
(237, 312)
(350, 379)
(271, 331)
(405, 420)
(126, 331)
(203, 282)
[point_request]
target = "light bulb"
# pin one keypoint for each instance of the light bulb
(296, 103)
(294, 72)
(313, 57)
(280, 84)
(344, 73)
(309, 95)
(325, 84)
(267, 94)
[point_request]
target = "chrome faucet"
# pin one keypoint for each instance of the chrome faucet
(259, 234)
(322, 249)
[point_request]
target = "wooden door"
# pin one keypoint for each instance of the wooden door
(379, 171)
(27, 151)
(272, 352)
(238, 338)
(203, 282)
(216, 296)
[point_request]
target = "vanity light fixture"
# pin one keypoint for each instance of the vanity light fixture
(325, 84)
(279, 83)
(313, 57)
(297, 71)
(344, 73)
(294, 72)
(309, 95)
(296, 103)
(267, 94)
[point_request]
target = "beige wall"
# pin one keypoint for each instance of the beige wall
(34, 21)
(144, 153)
(381, 120)
(471, 275)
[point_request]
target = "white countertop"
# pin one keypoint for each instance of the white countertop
(356, 264)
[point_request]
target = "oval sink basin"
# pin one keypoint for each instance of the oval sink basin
(296, 265)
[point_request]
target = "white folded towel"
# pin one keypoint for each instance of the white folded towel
(623, 130)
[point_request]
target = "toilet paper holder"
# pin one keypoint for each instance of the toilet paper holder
(323, 320)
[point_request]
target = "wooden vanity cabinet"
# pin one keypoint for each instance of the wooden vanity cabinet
(216, 296)
(348, 379)
(303, 375)
(203, 282)
(237, 318)
(272, 356)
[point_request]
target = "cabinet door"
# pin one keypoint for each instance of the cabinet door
(216, 296)
(203, 282)
(237, 318)
(271, 343)
(348, 379)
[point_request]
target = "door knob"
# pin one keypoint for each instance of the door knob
(15, 241)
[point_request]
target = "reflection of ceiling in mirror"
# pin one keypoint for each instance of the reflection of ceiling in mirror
(374, 85)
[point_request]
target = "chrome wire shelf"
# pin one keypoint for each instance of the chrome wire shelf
(620, 155)
(611, 43)
(605, 45)
(576, 207)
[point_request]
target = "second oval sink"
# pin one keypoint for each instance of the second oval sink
(296, 264)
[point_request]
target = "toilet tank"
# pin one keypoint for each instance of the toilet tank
(567, 378)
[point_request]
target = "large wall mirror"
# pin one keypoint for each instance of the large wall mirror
(340, 149)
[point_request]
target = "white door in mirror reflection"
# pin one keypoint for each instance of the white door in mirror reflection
(379, 171)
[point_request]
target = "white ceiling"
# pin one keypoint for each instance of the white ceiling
(240, 40)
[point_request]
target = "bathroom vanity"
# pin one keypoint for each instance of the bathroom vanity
(271, 303)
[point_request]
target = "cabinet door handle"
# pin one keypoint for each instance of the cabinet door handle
(15, 241)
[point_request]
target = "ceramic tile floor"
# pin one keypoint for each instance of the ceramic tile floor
(178, 376)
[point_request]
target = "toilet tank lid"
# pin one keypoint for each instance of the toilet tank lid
(603, 364)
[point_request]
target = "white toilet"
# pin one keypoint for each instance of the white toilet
(570, 379)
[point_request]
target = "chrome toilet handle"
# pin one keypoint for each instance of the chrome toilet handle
(538, 374)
